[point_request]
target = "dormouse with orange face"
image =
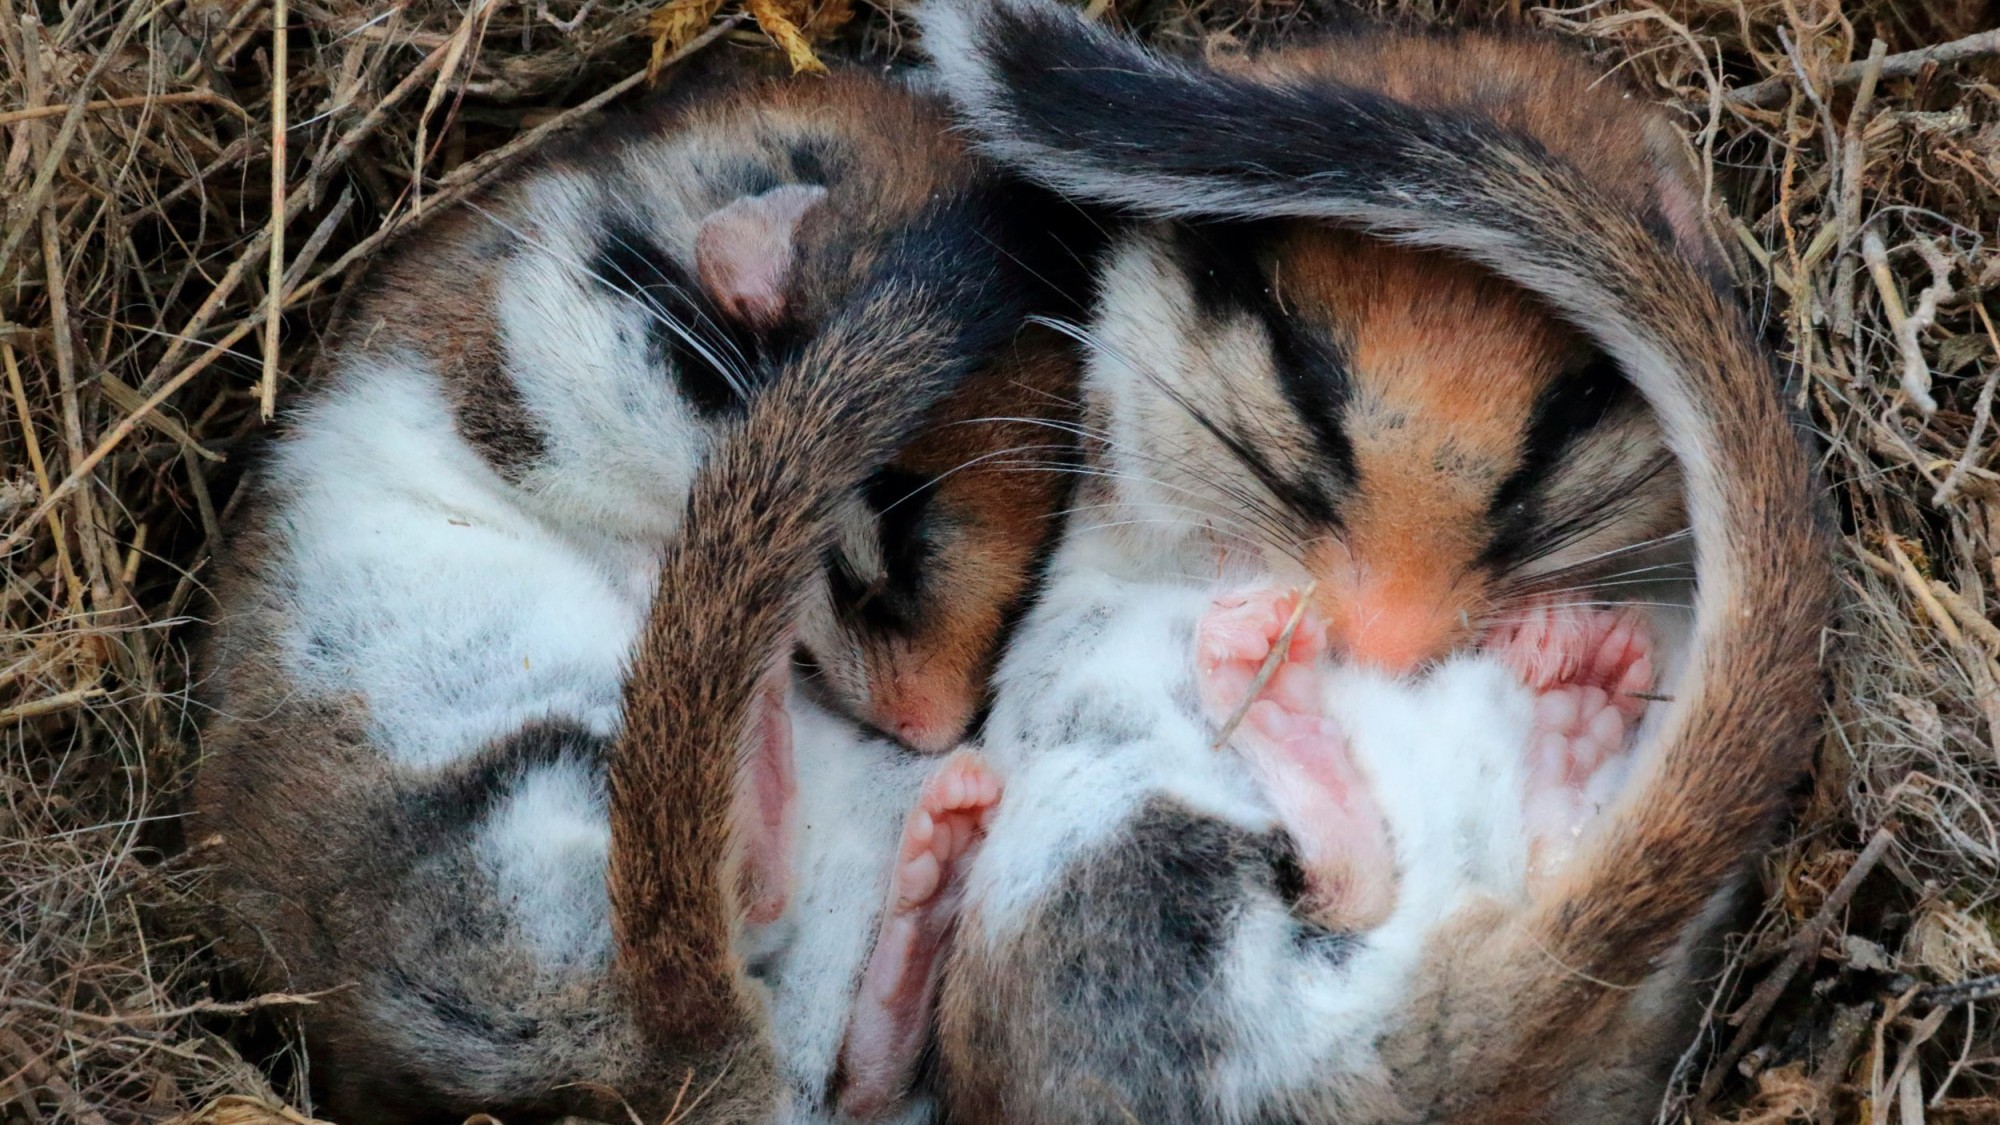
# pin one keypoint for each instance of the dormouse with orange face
(945, 545)
(1420, 440)
(1406, 429)
(505, 758)
(1419, 318)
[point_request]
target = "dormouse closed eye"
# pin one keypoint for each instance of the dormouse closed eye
(1424, 441)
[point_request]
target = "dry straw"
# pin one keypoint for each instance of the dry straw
(164, 282)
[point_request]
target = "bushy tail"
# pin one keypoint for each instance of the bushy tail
(759, 517)
(1086, 111)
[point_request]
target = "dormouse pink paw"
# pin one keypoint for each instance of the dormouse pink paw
(1555, 646)
(1307, 771)
(1591, 669)
(1236, 636)
(885, 1034)
(1300, 757)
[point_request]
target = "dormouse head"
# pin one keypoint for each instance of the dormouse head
(1423, 441)
(942, 549)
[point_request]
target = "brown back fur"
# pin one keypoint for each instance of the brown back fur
(1583, 197)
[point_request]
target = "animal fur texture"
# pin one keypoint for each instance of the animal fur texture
(1066, 1001)
(478, 745)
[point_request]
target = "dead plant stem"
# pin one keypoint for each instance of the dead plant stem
(45, 176)
(138, 101)
(1750, 1018)
(267, 389)
(1770, 93)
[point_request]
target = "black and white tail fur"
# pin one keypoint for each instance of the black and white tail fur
(1106, 121)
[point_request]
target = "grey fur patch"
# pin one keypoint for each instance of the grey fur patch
(1126, 962)
(489, 413)
(1092, 719)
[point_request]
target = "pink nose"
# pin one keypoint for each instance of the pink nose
(927, 713)
(925, 737)
(1392, 638)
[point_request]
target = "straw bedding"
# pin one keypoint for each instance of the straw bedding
(139, 358)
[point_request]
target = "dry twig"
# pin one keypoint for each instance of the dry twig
(1772, 92)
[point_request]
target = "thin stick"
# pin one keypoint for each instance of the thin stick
(1953, 995)
(1853, 159)
(1750, 1018)
(467, 178)
(45, 177)
(1981, 415)
(137, 101)
(1914, 580)
(1987, 633)
(1939, 291)
(267, 391)
(55, 278)
(49, 705)
(1916, 374)
(454, 54)
(1771, 93)
(316, 242)
(72, 587)
(123, 397)
(1906, 1081)
(132, 558)
(1267, 669)
(198, 1008)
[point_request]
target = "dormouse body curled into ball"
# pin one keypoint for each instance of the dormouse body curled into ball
(503, 756)
(1467, 430)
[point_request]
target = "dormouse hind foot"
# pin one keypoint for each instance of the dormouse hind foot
(1300, 757)
(1591, 669)
(885, 1034)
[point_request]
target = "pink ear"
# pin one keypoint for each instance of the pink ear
(744, 252)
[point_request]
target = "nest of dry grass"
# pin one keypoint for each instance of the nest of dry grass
(151, 306)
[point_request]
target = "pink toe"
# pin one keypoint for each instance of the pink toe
(1556, 710)
(1638, 675)
(917, 881)
(1296, 686)
(1607, 728)
(1268, 719)
(1617, 640)
(918, 831)
(1221, 646)
(1550, 756)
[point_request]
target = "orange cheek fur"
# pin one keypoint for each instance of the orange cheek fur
(925, 689)
(1447, 365)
